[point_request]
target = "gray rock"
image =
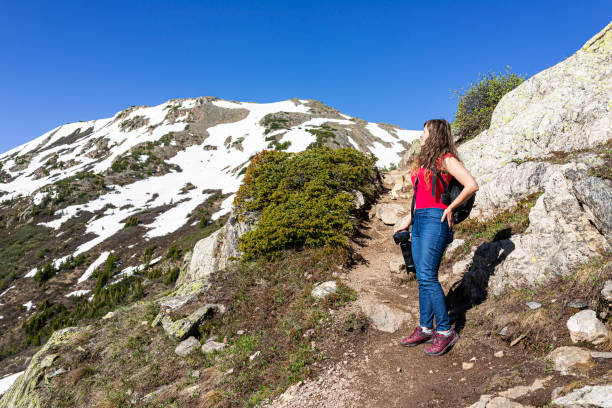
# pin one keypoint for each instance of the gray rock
(390, 213)
(187, 346)
(324, 289)
(488, 401)
(216, 251)
(570, 360)
(533, 305)
(595, 194)
(182, 328)
(601, 354)
(212, 345)
(588, 397)
(577, 304)
(358, 200)
(584, 326)
(606, 292)
(383, 317)
(452, 246)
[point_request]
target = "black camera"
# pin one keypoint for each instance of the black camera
(402, 238)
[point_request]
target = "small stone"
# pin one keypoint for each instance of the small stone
(606, 292)
(144, 323)
(254, 355)
(212, 345)
(108, 315)
(584, 326)
(467, 366)
(324, 289)
(56, 372)
(430, 371)
(473, 359)
(499, 354)
(577, 304)
(462, 379)
(240, 332)
(195, 373)
(454, 363)
(534, 305)
(503, 332)
(187, 346)
(399, 370)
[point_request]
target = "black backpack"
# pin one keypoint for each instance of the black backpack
(449, 194)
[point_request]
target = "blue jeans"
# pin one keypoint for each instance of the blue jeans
(429, 239)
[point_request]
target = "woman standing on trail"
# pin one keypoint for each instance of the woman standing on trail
(432, 231)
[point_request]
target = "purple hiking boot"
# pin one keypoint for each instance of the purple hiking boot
(418, 336)
(441, 343)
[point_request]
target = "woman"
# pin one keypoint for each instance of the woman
(432, 232)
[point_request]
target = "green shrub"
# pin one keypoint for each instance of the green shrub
(104, 275)
(172, 275)
(477, 102)
(148, 255)
(50, 317)
(174, 253)
(322, 133)
(45, 273)
(131, 222)
(305, 198)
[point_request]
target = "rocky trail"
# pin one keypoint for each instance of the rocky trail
(381, 373)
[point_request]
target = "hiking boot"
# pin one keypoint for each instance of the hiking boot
(441, 343)
(418, 336)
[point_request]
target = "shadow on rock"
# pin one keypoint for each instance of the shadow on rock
(471, 290)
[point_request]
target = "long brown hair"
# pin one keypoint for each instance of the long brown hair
(439, 142)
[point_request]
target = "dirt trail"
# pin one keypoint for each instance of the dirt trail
(381, 373)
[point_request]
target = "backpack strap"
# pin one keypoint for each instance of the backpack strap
(416, 183)
(437, 174)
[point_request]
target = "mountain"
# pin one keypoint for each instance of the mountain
(142, 179)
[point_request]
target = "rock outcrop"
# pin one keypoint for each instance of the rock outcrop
(24, 392)
(214, 252)
(545, 137)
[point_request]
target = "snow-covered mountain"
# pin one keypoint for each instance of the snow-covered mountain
(161, 168)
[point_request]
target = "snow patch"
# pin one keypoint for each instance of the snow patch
(6, 382)
(78, 292)
(99, 261)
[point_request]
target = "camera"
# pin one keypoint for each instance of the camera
(402, 238)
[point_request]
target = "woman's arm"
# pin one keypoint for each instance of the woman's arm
(470, 186)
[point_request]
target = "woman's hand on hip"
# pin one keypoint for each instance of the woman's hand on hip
(448, 215)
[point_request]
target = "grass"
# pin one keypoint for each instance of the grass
(509, 222)
(270, 300)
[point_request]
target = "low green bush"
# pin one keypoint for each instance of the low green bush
(477, 102)
(305, 198)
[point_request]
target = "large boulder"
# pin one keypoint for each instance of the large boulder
(571, 360)
(216, 251)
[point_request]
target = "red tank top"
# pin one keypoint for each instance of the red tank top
(423, 197)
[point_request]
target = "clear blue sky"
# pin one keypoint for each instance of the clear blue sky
(384, 61)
